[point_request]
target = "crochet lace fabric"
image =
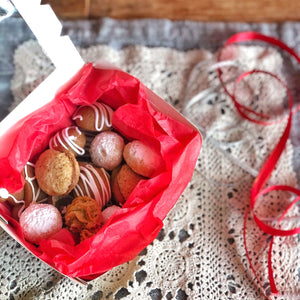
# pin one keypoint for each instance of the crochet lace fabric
(199, 253)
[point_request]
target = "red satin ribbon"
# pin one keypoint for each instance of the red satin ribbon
(258, 186)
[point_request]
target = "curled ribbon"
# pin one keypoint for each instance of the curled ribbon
(260, 181)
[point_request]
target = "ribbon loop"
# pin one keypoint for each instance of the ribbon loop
(270, 164)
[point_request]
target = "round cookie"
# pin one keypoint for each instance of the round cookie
(93, 182)
(70, 138)
(40, 221)
(115, 187)
(141, 158)
(127, 180)
(57, 172)
(83, 213)
(107, 150)
(95, 118)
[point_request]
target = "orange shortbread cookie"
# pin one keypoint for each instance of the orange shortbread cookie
(127, 180)
(83, 213)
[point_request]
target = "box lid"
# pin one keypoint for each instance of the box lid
(61, 51)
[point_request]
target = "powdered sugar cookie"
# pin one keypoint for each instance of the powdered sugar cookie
(40, 221)
(108, 212)
(107, 150)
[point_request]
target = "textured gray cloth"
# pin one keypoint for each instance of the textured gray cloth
(181, 35)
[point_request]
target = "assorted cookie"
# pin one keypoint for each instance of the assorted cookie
(87, 173)
(93, 182)
(108, 212)
(57, 172)
(117, 195)
(94, 118)
(107, 150)
(31, 193)
(13, 199)
(40, 221)
(70, 138)
(124, 182)
(83, 217)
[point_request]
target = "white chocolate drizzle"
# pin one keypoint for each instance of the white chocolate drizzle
(35, 192)
(93, 185)
(102, 112)
(4, 194)
(66, 140)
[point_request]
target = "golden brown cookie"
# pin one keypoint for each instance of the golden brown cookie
(115, 187)
(95, 117)
(93, 182)
(70, 138)
(83, 213)
(127, 180)
(142, 159)
(57, 172)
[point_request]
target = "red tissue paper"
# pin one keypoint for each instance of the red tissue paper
(139, 221)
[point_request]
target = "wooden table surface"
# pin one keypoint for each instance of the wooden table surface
(198, 10)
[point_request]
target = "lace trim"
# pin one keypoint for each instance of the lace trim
(199, 253)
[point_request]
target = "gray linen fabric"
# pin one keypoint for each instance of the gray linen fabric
(181, 35)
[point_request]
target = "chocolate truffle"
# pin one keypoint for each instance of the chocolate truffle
(95, 117)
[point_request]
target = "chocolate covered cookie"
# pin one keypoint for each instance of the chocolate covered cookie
(70, 138)
(93, 182)
(94, 118)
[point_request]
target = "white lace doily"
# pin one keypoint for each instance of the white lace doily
(199, 253)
